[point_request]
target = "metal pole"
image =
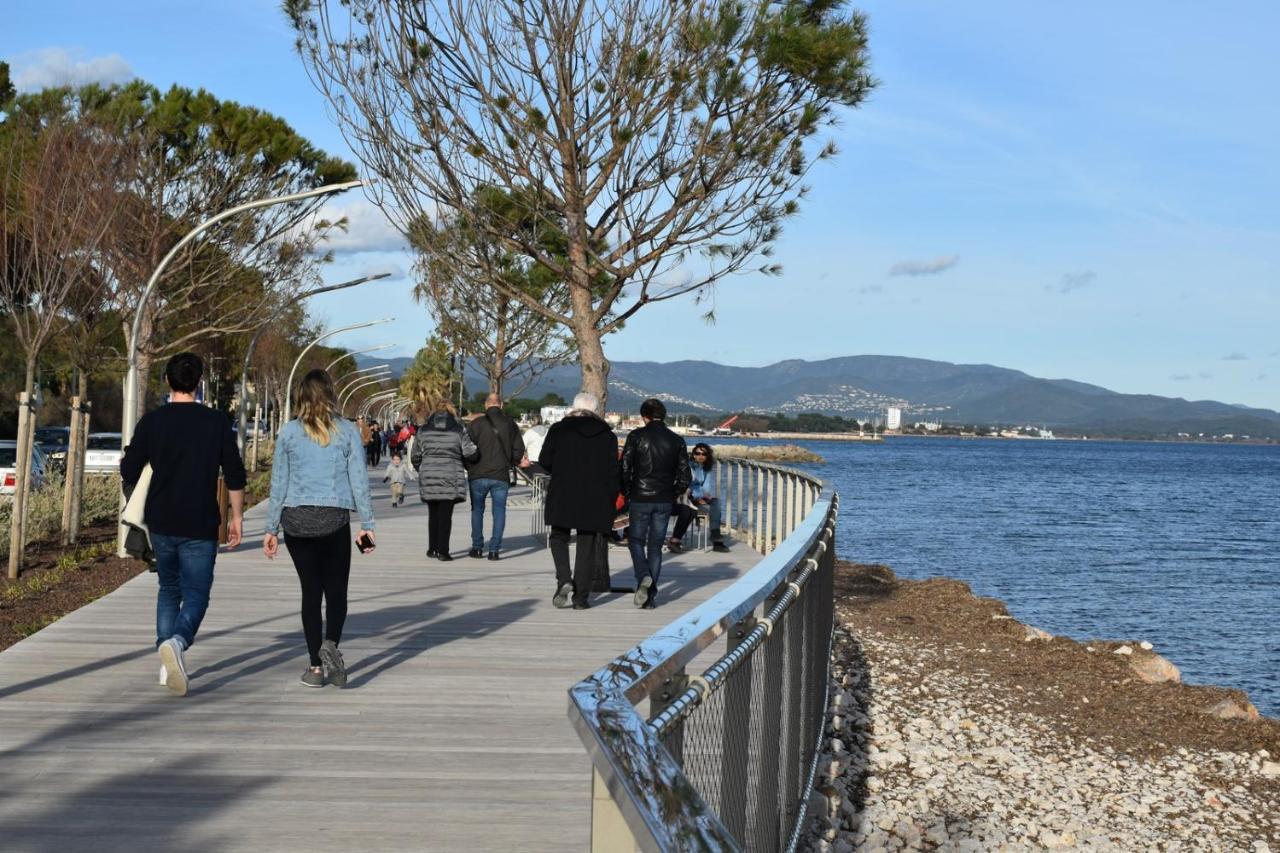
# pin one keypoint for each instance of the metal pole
(288, 388)
(129, 418)
(253, 342)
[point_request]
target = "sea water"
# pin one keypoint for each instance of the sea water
(1178, 544)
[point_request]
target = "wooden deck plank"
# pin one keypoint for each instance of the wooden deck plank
(452, 733)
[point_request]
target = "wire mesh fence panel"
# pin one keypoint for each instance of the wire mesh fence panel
(728, 755)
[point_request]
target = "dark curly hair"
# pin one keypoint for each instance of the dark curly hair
(710, 461)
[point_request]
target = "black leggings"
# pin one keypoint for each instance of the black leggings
(323, 564)
(439, 525)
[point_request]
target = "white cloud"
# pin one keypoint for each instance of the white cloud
(368, 229)
(1181, 377)
(1235, 356)
(914, 268)
(1072, 281)
(56, 66)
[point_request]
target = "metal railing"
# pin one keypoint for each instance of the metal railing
(725, 759)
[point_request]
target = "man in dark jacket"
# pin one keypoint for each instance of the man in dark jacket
(185, 444)
(655, 469)
(498, 439)
(581, 454)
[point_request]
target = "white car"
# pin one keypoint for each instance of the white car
(102, 454)
(9, 471)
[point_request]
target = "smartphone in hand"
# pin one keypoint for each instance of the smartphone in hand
(365, 543)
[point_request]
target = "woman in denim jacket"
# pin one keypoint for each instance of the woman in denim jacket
(317, 477)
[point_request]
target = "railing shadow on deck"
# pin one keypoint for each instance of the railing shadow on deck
(723, 760)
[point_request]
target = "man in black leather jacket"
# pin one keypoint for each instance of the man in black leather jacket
(655, 469)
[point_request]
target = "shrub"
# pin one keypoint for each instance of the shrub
(100, 502)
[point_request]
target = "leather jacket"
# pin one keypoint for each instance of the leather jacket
(655, 465)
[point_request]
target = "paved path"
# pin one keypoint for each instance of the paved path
(451, 735)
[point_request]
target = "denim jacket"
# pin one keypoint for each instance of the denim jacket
(702, 484)
(305, 474)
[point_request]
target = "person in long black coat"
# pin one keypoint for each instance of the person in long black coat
(581, 454)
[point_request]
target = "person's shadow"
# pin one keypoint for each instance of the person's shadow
(413, 631)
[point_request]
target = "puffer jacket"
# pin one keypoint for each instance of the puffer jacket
(440, 451)
(655, 464)
(305, 474)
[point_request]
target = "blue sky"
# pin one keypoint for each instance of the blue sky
(1085, 192)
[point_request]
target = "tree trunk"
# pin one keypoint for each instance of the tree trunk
(591, 359)
(498, 371)
(77, 506)
(22, 470)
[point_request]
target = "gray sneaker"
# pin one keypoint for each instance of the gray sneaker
(562, 596)
(642, 592)
(335, 670)
(311, 678)
(175, 670)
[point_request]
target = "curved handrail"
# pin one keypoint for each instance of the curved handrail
(660, 806)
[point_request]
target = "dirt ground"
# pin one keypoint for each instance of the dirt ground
(1055, 676)
(36, 599)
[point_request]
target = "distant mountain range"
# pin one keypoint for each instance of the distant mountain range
(865, 385)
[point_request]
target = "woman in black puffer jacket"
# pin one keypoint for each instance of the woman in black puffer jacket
(441, 450)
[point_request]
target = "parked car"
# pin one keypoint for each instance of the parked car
(54, 440)
(9, 471)
(102, 454)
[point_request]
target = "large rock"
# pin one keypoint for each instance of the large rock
(1233, 709)
(1153, 669)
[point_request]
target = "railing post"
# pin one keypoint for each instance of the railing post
(662, 698)
(609, 829)
(738, 503)
(734, 776)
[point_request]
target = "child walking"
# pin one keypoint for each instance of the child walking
(398, 473)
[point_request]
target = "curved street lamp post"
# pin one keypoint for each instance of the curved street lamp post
(129, 419)
(288, 400)
(356, 375)
(242, 415)
(352, 355)
(356, 386)
(377, 399)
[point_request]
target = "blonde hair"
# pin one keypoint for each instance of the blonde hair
(317, 407)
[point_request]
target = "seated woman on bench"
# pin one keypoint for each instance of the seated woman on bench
(702, 498)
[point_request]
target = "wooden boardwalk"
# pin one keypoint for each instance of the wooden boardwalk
(452, 734)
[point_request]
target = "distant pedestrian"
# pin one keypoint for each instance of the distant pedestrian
(441, 448)
(185, 444)
(655, 469)
(375, 444)
(501, 448)
(398, 473)
(581, 454)
(317, 477)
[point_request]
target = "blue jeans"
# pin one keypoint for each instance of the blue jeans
(185, 569)
(646, 534)
(497, 489)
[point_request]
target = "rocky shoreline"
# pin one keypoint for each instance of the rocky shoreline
(954, 727)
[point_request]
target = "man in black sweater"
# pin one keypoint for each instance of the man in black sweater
(186, 445)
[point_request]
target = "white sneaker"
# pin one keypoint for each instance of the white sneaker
(164, 675)
(175, 668)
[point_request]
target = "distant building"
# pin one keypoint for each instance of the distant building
(893, 419)
(554, 414)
